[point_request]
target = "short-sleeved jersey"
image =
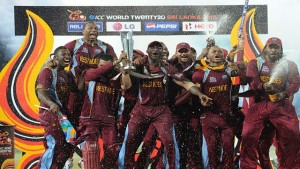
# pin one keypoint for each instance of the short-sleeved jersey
(156, 91)
(216, 85)
(283, 75)
(59, 83)
(85, 55)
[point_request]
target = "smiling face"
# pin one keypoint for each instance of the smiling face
(183, 55)
(155, 51)
(63, 58)
(90, 32)
(215, 56)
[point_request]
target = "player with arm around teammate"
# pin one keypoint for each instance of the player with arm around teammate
(151, 107)
(53, 88)
(214, 80)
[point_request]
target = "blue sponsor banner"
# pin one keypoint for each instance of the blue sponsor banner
(77, 26)
(161, 26)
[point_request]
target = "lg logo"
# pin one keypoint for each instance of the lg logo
(123, 26)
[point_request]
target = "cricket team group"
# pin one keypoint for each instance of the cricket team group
(171, 104)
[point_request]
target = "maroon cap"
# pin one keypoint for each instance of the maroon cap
(183, 45)
(135, 52)
(139, 52)
(273, 40)
(155, 43)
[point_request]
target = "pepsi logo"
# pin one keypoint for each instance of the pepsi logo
(150, 25)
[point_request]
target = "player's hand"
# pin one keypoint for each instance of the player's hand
(122, 56)
(54, 108)
(279, 96)
(51, 64)
(210, 42)
(233, 51)
(137, 61)
(268, 87)
(205, 100)
(125, 62)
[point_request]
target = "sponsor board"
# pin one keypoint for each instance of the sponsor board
(191, 20)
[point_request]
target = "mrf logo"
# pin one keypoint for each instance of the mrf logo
(76, 15)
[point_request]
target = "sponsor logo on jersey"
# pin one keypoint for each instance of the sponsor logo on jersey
(77, 26)
(224, 76)
(212, 79)
(161, 26)
(123, 26)
(265, 69)
(85, 50)
(199, 26)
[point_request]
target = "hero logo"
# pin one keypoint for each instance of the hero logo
(161, 26)
(199, 26)
(122, 26)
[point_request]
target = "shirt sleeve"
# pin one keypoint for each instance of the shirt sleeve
(110, 50)
(175, 73)
(93, 74)
(293, 79)
(197, 77)
(252, 74)
(45, 78)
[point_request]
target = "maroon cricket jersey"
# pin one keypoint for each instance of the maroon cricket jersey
(101, 95)
(216, 84)
(64, 85)
(154, 92)
(85, 55)
(286, 76)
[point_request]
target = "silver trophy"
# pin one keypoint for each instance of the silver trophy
(127, 43)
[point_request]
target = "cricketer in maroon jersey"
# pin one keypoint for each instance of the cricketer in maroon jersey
(186, 116)
(151, 107)
(215, 82)
(53, 89)
(84, 52)
(98, 114)
(130, 97)
(273, 79)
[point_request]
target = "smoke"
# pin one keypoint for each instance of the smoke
(222, 20)
(279, 69)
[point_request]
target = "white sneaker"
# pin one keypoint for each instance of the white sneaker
(68, 164)
(81, 164)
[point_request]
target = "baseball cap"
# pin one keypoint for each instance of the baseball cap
(273, 40)
(135, 52)
(139, 52)
(154, 43)
(183, 45)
